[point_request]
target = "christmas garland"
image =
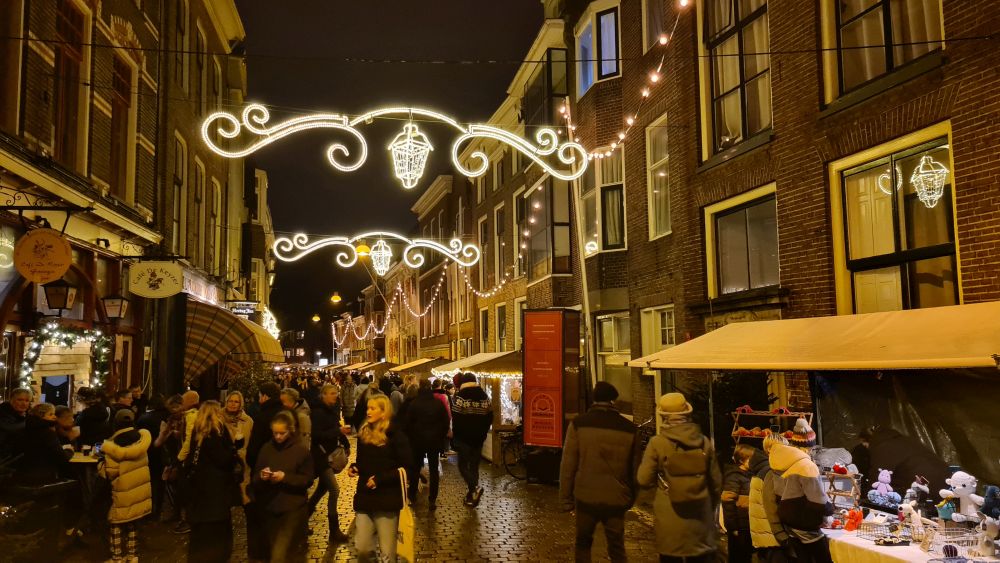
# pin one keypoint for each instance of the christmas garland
(53, 334)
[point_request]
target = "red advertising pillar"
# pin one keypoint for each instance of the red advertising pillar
(552, 390)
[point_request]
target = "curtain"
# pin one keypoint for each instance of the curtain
(756, 72)
(608, 26)
(914, 21)
(859, 64)
(614, 234)
(725, 91)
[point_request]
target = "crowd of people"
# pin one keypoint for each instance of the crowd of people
(192, 462)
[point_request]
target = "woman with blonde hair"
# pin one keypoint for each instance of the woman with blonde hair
(240, 426)
(212, 486)
(382, 452)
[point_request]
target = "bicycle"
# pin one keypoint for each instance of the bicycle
(645, 432)
(512, 454)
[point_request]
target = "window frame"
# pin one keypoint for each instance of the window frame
(180, 192)
(500, 339)
(651, 329)
(182, 36)
(484, 335)
(518, 203)
(647, 42)
(499, 244)
(520, 306)
(484, 249)
(650, 168)
(734, 203)
(79, 147)
(597, 193)
(199, 211)
(126, 146)
(591, 18)
(216, 227)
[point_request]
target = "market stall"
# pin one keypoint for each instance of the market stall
(499, 373)
(421, 367)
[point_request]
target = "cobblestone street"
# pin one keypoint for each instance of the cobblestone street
(516, 521)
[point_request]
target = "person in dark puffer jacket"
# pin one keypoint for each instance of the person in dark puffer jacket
(426, 424)
(597, 473)
(472, 416)
(803, 503)
(328, 432)
(736, 504)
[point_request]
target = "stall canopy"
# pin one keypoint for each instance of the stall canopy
(419, 365)
(466, 364)
(214, 333)
(959, 336)
(358, 365)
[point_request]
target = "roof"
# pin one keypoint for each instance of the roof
(483, 362)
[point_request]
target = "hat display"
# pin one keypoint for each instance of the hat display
(673, 403)
(803, 435)
(604, 392)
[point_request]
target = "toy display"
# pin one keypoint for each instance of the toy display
(989, 533)
(774, 421)
(991, 502)
(963, 490)
(882, 493)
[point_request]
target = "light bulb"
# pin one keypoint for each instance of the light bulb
(645, 92)
(629, 121)
(663, 36)
(654, 77)
(621, 136)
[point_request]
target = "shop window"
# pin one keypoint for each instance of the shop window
(179, 211)
(739, 80)
(657, 325)
(68, 84)
(122, 134)
(614, 350)
(747, 246)
(501, 319)
(900, 230)
(8, 273)
(657, 179)
(603, 199)
(652, 22)
(875, 37)
(597, 48)
(11, 12)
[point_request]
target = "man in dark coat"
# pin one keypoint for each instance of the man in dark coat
(13, 413)
(270, 405)
(597, 473)
(472, 416)
(426, 424)
(328, 432)
(150, 421)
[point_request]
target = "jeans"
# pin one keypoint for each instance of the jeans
(287, 534)
(382, 526)
(614, 531)
(740, 546)
(813, 552)
(327, 483)
(258, 548)
(433, 463)
(468, 462)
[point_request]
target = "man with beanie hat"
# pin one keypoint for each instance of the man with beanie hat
(803, 436)
(597, 474)
(472, 417)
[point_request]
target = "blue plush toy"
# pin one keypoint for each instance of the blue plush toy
(991, 502)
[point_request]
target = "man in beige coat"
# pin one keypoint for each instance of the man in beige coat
(125, 464)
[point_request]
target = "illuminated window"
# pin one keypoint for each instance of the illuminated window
(597, 48)
(657, 179)
(603, 199)
(122, 136)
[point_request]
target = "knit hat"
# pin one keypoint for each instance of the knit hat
(802, 435)
(674, 403)
(604, 392)
(124, 418)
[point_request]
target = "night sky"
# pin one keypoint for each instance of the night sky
(296, 64)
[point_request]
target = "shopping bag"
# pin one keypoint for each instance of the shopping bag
(406, 547)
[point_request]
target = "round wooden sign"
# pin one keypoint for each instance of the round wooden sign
(42, 256)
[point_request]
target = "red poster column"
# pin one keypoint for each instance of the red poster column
(543, 378)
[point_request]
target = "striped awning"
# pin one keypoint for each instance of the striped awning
(213, 333)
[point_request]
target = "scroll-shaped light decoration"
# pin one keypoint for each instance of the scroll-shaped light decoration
(409, 155)
(928, 179)
(290, 249)
(885, 181)
(381, 257)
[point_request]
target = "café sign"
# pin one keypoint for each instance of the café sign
(155, 280)
(42, 256)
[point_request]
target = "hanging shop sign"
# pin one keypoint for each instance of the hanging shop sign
(243, 308)
(155, 280)
(42, 256)
(545, 364)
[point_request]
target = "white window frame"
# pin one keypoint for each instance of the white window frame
(199, 200)
(185, 7)
(202, 100)
(598, 203)
(132, 140)
(500, 341)
(518, 321)
(650, 327)
(711, 250)
(650, 166)
(589, 18)
(647, 41)
(518, 238)
(217, 208)
(84, 92)
(483, 341)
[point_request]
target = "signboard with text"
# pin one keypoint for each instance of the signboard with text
(155, 280)
(42, 256)
(544, 365)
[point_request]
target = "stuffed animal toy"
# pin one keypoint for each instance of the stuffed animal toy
(991, 502)
(908, 511)
(882, 493)
(989, 533)
(882, 485)
(963, 489)
(854, 519)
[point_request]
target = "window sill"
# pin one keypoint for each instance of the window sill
(753, 143)
(608, 251)
(749, 299)
(653, 237)
(885, 83)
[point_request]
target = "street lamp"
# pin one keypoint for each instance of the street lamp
(60, 295)
(335, 298)
(315, 318)
(115, 306)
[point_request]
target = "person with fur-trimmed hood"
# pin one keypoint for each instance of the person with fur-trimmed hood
(770, 540)
(125, 464)
(803, 504)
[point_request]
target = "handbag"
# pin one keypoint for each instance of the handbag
(337, 459)
(406, 530)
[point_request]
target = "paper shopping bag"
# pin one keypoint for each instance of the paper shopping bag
(406, 547)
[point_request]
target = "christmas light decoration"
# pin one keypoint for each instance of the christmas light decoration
(928, 180)
(53, 334)
(408, 149)
(270, 323)
(381, 257)
(409, 155)
(884, 181)
(290, 249)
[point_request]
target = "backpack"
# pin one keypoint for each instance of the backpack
(685, 473)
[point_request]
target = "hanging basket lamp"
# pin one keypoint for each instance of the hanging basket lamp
(409, 151)
(381, 256)
(929, 179)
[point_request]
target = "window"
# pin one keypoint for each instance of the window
(739, 79)
(201, 71)
(549, 249)
(657, 178)
(500, 262)
(440, 233)
(499, 171)
(68, 84)
(901, 242)
(199, 213)
(545, 91)
(501, 318)
(216, 92)
(11, 15)
(603, 205)
(180, 44)
(521, 233)
(484, 329)
(614, 352)
(520, 305)
(122, 139)
(426, 319)
(657, 329)
(179, 212)
(479, 181)
(485, 257)
(597, 49)
(875, 37)
(746, 246)
(652, 27)
(215, 229)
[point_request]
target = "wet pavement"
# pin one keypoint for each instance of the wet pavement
(516, 521)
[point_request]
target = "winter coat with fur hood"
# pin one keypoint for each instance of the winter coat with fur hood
(126, 466)
(803, 503)
(765, 525)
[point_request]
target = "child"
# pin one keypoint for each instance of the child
(125, 464)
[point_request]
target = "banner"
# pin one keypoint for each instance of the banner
(42, 256)
(155, 280)
(543, 378)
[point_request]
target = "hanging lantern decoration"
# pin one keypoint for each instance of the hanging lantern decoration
(409, 155)
(381, 256)
(928, 180)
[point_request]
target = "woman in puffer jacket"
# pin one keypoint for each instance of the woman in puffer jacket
(126, 466)
(768, 535)
(803, 504)
(736, 505)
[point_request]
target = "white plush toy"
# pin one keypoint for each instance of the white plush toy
(963, 488)
(909, 512)
(989, 531)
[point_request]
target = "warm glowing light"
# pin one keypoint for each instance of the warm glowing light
(928, 180)
(290, 249)
(663, 37)
(629, 121)
(654, 76)
(315, 318)
(335, 298)
(363, 250)
(381, 257)
(409, 152)
(645, 92)
(621, 136)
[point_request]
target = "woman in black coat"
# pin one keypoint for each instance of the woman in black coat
(42, 456)
(213, 486)
(382, 452)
